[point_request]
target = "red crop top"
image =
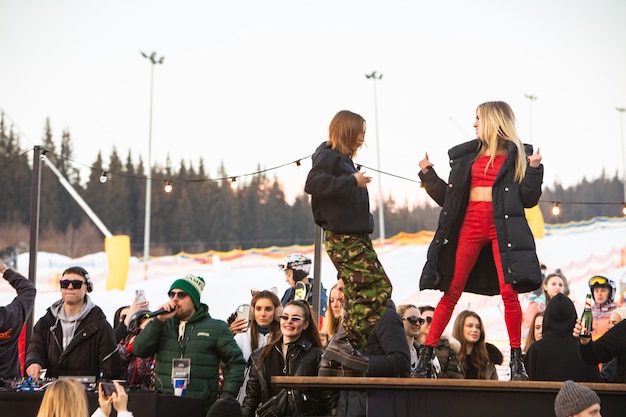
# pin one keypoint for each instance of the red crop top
(480, 178)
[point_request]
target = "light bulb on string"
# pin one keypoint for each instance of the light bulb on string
(298, 163)
(168, 186)
(103, 177)
(233, 182)
(624, 209)
(556, 210)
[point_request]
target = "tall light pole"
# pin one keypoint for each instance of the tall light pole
(146, 237)
(621, 110)
(381, 206)
(531, 99)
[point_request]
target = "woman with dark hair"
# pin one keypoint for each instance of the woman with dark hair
(483, 243)
(262, 326)
(296, 352)
(552, 285)
(476, 356)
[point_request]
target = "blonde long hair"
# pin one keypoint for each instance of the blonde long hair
(64, 398)
(497, 122)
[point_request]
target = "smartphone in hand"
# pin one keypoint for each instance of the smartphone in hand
(141, 296)
(108, 388)
(243, 313)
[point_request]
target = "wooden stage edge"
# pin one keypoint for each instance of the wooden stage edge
(370, 383)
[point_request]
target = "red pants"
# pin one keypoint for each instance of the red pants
(477, 231)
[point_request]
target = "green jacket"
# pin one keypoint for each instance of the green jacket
(206, 342)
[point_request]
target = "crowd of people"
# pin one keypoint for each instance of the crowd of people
(482, 244)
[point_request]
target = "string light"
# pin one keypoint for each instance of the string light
(556, 205)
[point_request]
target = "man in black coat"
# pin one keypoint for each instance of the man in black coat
(611, 344)
(74, 337)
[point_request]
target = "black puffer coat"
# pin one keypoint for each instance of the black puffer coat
(302, 359)
(516, 242)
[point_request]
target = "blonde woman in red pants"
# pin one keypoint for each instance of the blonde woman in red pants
(483, 243)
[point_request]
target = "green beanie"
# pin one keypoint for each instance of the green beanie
(192, 285)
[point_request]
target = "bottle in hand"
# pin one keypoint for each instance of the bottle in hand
(587, 319)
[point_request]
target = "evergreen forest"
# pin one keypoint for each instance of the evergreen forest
(202, 214)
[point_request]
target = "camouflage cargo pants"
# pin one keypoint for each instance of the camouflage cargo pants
(367, 287)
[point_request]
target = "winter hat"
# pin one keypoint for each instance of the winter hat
(192, 285)
(574, 398)
(226, 407)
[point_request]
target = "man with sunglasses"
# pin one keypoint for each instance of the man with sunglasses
(186, 330)
(74, 337)
(12, 318)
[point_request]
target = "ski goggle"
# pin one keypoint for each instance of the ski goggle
(598, 280)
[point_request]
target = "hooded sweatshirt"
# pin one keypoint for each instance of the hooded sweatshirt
(80, 345)
(555, 357)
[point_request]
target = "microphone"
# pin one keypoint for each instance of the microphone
(141, 315)
(151, 314)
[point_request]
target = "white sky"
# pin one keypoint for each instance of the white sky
(246, 82)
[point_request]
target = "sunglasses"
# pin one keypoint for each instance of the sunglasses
(292, 318)
(414, 320)
(598, 280)
(180, 294)
(76, 283)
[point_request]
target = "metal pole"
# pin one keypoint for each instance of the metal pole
(146, 236)
(33, 247)
(381, 205)
(317, 270)
(531, 98)
(621, 110)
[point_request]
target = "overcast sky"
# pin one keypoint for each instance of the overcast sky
(252, 83)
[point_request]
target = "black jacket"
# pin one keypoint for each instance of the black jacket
(12, 318)
(338, 204)
(389, 356)
(555, 357)
(610, 346)
(516, 242)
(93, 348)
(302, 360)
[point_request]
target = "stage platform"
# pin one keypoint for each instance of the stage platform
(410, 397)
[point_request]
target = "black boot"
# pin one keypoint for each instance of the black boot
(518, 370)
(425, 368)
(341, 358)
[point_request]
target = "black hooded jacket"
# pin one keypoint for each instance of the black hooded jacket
(338, 203)
(555, 357)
